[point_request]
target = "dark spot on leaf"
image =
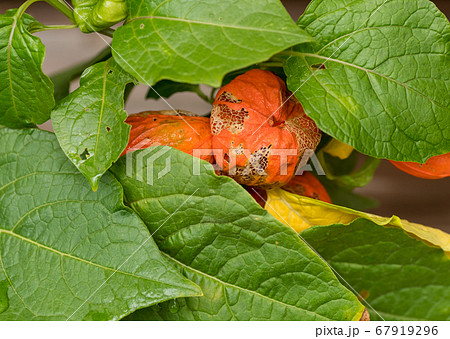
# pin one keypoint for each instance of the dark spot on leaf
(85, 154)
(108, 129)
(318, 66)
(141, 26)
(363, 295)
(87, 109)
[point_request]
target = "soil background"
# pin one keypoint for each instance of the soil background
(418, 200)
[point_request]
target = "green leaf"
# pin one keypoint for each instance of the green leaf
(26, 93)
(90, 122)
(200, 41)
(167, 88)
(402, 278)
(65, 251)
(249, 265)
(386, 77)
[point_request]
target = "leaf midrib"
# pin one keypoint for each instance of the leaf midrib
(63, 254)
(102, 108)
(8, 61)
(350, 34)
(313, 55)
(301, 33)
(243, 289)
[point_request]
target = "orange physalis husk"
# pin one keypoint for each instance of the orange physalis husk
(436, 167)
(260, 131)
(185, 133)
(308, 186)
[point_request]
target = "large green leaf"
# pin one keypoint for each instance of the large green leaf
(65, 251)
(26, 93)
(384, 84)
(200, 41)
(249, 265)
(90, 122)
(401, 277)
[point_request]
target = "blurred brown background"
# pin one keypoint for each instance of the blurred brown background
(418, 200)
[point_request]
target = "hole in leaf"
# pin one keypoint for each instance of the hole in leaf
(154, 119)
(110, 71)
(85, 154)
(318, 66)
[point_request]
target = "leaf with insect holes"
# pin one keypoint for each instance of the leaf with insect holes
(200, 41)
(90, 122)
(377, 76)
(67, 252)
(26, 93)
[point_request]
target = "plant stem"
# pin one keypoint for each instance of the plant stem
(108, 32)
(24, 7)
(271, 64)
(202, 95)
(63, 7)
(212, 95)
(52, 27)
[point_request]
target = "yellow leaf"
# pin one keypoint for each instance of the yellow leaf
(300, 213)
(338, 149)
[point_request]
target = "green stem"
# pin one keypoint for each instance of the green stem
(212, 96)
(287, 52)
(202, 95)
(108, 32)
(24, 7)
(52, 27)
(63, 7)
(271, 64)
